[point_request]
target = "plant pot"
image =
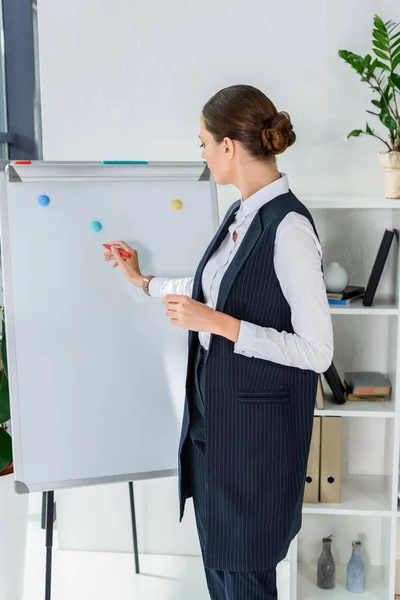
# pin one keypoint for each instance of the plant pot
(390, 163)
(13, 530)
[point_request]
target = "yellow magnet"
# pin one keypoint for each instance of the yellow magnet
(176, 204)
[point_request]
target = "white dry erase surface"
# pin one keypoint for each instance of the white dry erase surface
(97, 372)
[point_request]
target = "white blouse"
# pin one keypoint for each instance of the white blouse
(297, 263)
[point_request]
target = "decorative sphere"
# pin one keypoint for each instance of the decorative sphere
(43, 200)
(96, 226)
(336, 277)
(176, 204)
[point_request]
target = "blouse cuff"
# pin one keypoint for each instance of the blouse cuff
(246, 339)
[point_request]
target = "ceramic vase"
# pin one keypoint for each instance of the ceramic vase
(355, 580)
(326, 569)
(390, 163)
(336, 277)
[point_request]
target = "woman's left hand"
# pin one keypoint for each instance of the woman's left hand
(187, 313)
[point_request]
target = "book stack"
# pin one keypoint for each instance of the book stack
(349, 294)
(367, 386)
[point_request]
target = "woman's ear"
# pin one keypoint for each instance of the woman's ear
(229, 147)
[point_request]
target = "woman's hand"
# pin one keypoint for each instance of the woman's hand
(187, 313)
(129, 266)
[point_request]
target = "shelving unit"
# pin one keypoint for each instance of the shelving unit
(366, 338)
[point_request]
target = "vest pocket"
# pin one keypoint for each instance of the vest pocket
(269, 396)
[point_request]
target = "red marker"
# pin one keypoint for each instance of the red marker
(122, 252)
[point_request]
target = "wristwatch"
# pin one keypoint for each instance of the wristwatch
(145, 284)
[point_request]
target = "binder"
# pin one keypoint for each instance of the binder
(320, 394)
(311, 490)
(331, 459)
(378, 267)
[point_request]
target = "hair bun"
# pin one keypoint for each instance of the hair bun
(278, 134)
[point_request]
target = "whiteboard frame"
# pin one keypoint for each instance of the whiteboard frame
(73, 171)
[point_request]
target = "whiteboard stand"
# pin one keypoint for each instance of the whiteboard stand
(134, 530)
(49, 496)
(49, 541)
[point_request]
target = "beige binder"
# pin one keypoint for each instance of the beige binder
(311, 490)
(331, 459)
(320, 394)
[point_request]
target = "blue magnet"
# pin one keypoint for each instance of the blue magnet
(96, 226)
(44, 200)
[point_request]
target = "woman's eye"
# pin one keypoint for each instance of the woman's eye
(202, 145)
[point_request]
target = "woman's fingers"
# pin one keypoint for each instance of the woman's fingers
(123, 245)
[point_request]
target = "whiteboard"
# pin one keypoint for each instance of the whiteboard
(97, 372)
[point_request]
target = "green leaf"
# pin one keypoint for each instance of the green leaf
(380, 45)
(396, 62)
(4, 399)
(394, 46)
(381, 38)
(354, 60)
(382, 65)
(376, 103)
(393, 37)
(393, 26)
(394, 80)
(388, 121)
(367, 59)
(368, 129)
(379, 24)
(395, 54)
(5, 449)
(372, 113)
(3, 348)
(381, 54)
(355, 133)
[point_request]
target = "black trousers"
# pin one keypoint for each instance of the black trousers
(222, 585)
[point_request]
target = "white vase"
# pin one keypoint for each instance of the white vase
(13, 531)
(390, 163)
(336, 277)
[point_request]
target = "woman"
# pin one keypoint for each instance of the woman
(259, 305)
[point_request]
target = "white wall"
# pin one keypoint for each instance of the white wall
(127, 80)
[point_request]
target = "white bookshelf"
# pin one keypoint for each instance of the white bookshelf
(366, 338)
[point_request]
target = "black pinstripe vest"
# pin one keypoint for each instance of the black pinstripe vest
(259, 414)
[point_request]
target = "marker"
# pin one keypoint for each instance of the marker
(123, 253)
(124, 162)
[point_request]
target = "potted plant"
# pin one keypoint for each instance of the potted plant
(379, 73)
(13, 507)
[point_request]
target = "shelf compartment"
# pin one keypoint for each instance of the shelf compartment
(376, 535)
(367, 463)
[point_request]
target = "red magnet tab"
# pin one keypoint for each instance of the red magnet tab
(23, 162)
(122, 252)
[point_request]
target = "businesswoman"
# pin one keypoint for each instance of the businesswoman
(259, 332)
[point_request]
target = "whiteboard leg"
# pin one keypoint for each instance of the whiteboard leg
(134, 531)
(43, 510)
(49, 541)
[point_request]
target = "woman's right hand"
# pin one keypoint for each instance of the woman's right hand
(129, 266)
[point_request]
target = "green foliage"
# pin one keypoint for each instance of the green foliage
(379, 74)
(5, 439)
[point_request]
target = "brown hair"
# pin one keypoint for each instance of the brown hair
(245, 114)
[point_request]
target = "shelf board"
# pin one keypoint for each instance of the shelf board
(345, 202)
(381, 306)
(383, 409)
(366, 495)
(375, 585)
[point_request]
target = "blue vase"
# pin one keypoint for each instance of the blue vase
(356, 570)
